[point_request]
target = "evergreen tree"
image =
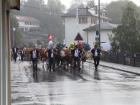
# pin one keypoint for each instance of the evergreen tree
(114, 10)
(127, 36)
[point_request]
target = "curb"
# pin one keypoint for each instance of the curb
(117, 69)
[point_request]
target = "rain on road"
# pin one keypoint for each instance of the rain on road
(103, 87)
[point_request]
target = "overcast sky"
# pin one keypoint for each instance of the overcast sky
(68, 2)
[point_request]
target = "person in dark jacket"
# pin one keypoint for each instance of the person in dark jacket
(96, 52)
(51, 58)
(77, 56)
(34, 59)
(21, 52)
(15, 51)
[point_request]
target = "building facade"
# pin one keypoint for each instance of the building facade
(79, 19)
(105, 32)
(28, 24)
(5, 90)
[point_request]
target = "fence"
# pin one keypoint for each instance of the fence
(121, 58)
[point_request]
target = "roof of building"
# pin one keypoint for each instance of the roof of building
(81, 11)
(103, 26)
(26, 18)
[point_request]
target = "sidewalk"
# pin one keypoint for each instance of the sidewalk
(120, 67)
(20, 85)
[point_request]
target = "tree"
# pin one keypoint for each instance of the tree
(76, 3)
(114, 10)
(33, 8)
(48, 14)
(127, 36)
(16, 36)
(54, 11)
(90, 3)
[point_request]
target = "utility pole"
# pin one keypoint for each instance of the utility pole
(87, 21)
(99, 23)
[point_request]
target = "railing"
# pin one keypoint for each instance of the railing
(121, 58)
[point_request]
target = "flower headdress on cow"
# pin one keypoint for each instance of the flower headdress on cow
(60, 46)
(72, 46)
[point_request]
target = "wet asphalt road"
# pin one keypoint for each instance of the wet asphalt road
(103, 87)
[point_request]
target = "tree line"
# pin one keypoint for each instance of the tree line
(125, 13)
(49, 16)
(126, 37)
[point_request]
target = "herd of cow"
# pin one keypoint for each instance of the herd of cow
(62, 57)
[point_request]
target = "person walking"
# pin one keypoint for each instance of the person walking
(96, 52)
(77, 56)
(21, 53)
(15, 52)
(34, 59)
(51, 58)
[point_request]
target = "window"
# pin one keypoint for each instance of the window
(82, 20)
(28, 23)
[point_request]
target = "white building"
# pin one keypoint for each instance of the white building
(28, 24)
(77, 20)
(105, 32)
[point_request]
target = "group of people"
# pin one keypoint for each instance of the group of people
(17, 53)
(57, 56)
(64, 57)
